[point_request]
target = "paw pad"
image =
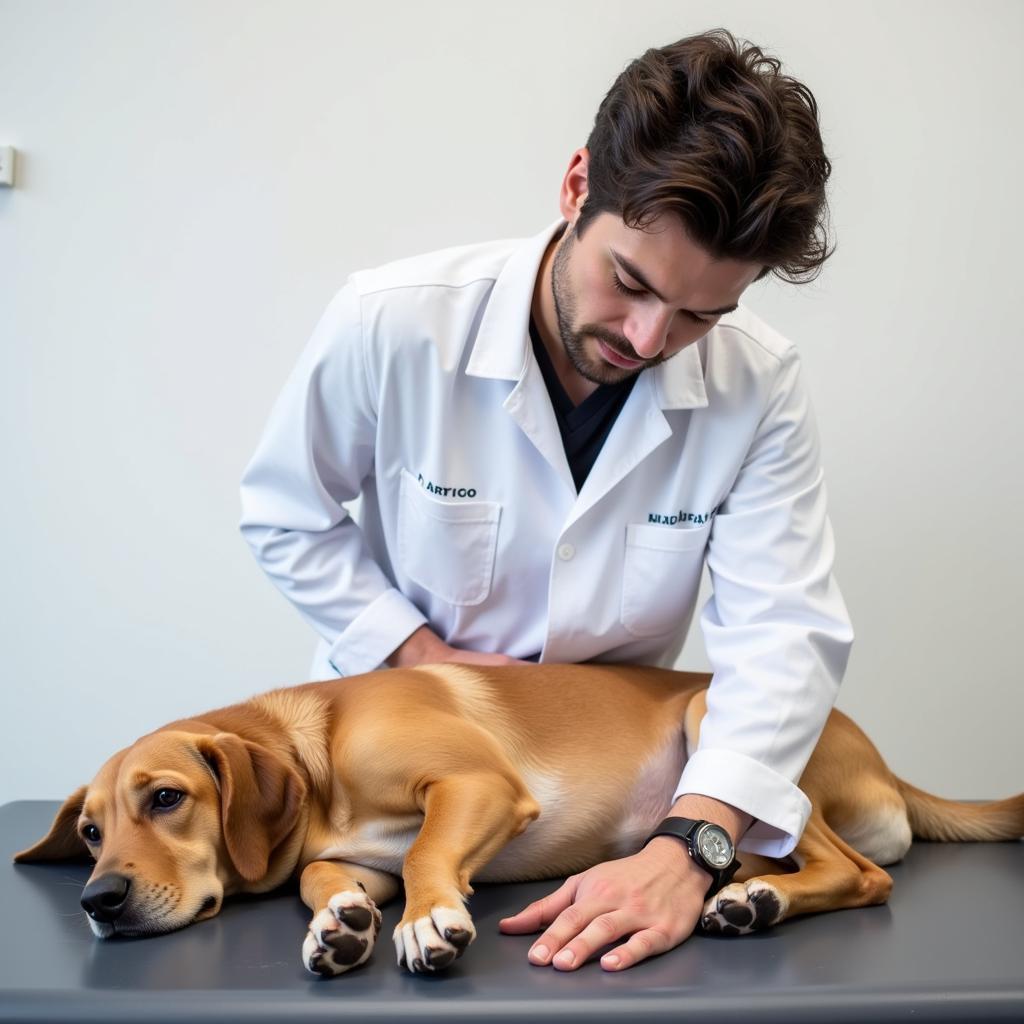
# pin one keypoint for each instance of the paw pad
(742, 908)
(435, 941)
(342, 935)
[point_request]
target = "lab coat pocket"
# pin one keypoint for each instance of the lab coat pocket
(447, 547)
(660, 576)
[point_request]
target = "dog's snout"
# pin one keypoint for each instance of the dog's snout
(104, 898)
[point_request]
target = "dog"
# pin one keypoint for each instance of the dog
(444, 774)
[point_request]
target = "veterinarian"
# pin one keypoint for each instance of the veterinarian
(552, 435)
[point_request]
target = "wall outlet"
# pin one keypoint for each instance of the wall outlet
(6, 165)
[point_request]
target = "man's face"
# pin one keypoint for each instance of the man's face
(627, 299)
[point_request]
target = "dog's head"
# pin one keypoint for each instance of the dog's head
(175, 822)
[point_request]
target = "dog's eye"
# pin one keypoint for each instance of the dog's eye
(91, 834)
(163, 799)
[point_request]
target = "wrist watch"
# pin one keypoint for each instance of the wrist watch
(708, 844)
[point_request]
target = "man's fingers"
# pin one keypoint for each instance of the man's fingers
(649, 942)
(541, 912)
(574, 946)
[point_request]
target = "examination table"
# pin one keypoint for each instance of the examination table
(949, 946)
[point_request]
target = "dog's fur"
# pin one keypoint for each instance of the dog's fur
(447, 773)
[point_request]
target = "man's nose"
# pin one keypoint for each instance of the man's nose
(104, 898)
(647, 332)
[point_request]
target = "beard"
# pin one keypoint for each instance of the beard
(589, 366)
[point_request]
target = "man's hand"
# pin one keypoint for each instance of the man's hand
(425, 647)
(655, 897)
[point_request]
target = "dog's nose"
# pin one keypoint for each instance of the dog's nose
(104, 898)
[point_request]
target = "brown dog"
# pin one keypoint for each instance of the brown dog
(434, 774)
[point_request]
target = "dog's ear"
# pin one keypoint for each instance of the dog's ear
(260, 799)
(62, 842)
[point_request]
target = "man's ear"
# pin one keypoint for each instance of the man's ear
(260, 799)
(62, 842)
(575, 185)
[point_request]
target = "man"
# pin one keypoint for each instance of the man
(551, 436)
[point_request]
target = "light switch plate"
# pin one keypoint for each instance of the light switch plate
(6, 165)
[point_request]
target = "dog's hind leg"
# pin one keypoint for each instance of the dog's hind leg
(832, 876)
(468, 818)
(346, 921)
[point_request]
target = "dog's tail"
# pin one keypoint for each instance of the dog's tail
(932, 817)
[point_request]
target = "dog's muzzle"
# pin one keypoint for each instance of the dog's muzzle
(105, 898)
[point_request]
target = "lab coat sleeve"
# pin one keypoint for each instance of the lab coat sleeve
(776, 629)
(315, 453)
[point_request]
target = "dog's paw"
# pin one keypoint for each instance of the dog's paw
(433, 942)
(744, 907)
(342, 935)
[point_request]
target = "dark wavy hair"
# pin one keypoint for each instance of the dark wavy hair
(709, 129)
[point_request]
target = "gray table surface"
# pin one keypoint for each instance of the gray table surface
(947, 947)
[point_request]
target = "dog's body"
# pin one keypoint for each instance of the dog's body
(447, 773)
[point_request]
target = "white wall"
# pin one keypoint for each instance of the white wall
(198, 178)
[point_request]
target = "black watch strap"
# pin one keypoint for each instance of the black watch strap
(686, 829)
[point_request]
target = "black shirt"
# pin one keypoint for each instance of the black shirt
(583, 427)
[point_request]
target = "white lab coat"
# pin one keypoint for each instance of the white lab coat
(419, 391)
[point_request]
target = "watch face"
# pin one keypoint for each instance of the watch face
(715, 846)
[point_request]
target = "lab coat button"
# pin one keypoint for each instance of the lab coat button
(566, 551)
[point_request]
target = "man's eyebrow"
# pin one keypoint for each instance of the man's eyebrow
(635, 273)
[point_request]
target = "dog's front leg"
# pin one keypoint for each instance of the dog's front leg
(346, 921)
(467, 820)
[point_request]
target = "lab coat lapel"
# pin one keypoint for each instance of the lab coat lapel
(502, 351)
(639, 428)
(530, 406)
(502, 340)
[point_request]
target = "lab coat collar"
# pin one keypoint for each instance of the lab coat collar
(679, 381)
(502, 344)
